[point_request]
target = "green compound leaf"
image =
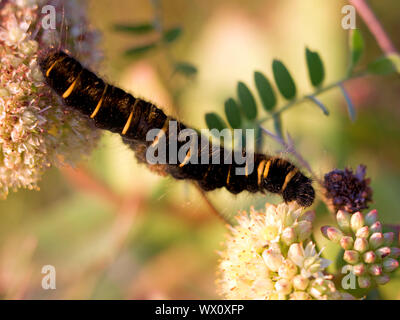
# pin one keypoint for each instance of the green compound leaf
(172, 34)
(185, 68)
(265, 91)
(385, 65)
(232, 113)
(283, 80)
(315, 67)
(247, 101)
(142, 28)
(356, 46)
(139, 50)
(214, 121)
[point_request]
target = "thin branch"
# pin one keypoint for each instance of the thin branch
(81, 178)
(128, 208)
(350, 106)
(86, 280)
(374, 26)
(290, 148)
(214, 210)
(320, 104)
(86, 182)
(304, 98)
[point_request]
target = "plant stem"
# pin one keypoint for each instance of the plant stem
(290, 148)
(278, 126)
(304, 98)
(374, 26)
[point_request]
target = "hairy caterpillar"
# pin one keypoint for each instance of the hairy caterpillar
(117, 111)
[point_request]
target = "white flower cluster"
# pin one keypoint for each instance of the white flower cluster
(35, 129)
(269, 255)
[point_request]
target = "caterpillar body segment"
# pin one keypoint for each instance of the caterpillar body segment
(111, 108)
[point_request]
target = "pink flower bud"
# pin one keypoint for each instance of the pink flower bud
(332, 233)
(359, 269)
(357, 221)
(376, 240)
(364, 282)
(376, 227)
(363, 232)
(343, 220)
(351, 256)
(382, 252)
(375, 270)
(288, 236)
(390, 264)
(371, 217)
(369, 257)
(324, 231)
(389, 237)
(347, 243)
(361, 245)
(394, 252)
(382, 279)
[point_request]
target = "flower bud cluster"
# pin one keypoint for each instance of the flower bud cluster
(370, 253)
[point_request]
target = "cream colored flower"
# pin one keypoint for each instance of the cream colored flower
(36, 131)
(307, 259)
(258, 262)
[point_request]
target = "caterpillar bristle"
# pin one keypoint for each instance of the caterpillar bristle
(117, 111)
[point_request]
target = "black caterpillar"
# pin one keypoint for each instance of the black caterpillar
(117, 111)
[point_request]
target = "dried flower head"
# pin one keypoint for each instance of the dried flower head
(35, 130)
(269, 255)
(371, 254)
(348, 191)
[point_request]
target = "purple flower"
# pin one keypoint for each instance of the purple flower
(348, 191)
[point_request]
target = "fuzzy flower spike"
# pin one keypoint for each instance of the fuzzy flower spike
(35, 129)
(348, 191)
(269, 255)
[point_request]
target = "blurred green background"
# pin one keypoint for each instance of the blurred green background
(115, 230)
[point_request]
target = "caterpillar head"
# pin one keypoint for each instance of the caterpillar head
(299, 189)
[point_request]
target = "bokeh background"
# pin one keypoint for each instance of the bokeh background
(114, 230)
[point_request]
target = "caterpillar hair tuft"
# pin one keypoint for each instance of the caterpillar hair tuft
(113, 109)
